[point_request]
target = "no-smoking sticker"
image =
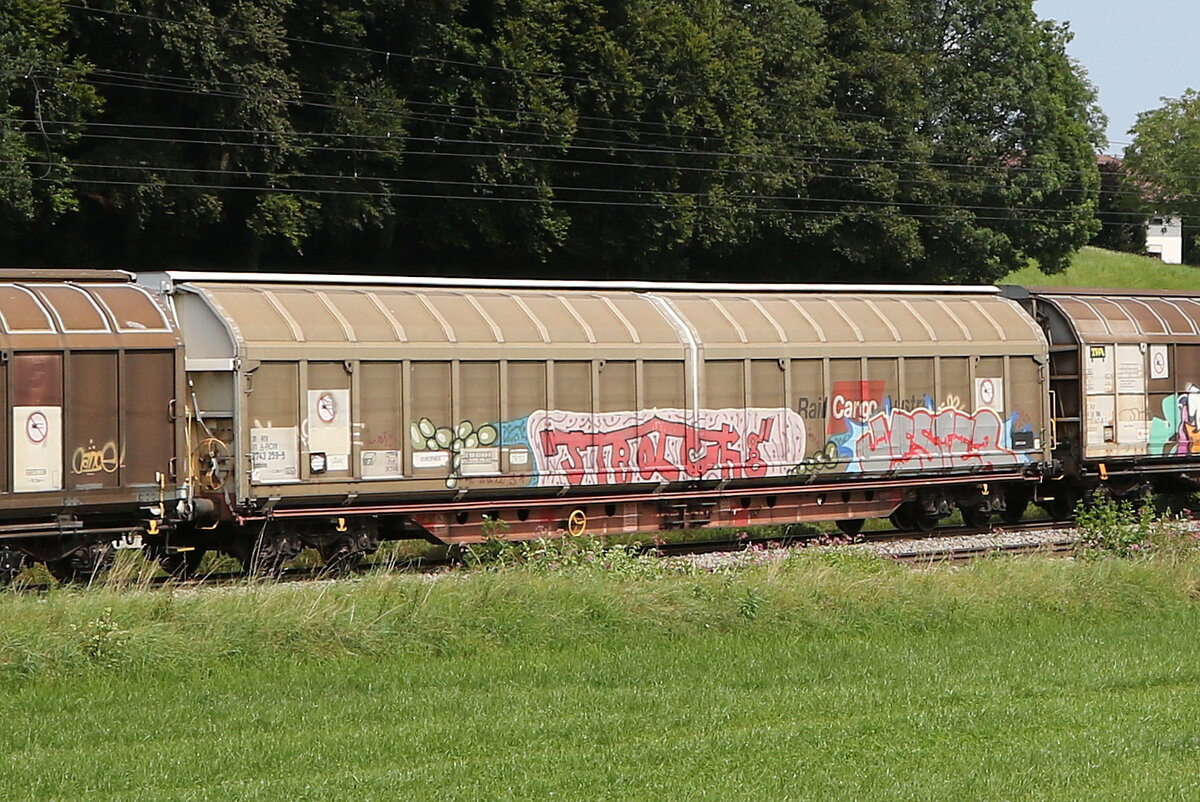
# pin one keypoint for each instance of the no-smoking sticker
(326, 408)
(37, 428)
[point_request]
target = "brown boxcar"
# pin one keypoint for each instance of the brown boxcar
(88, 367)
(358, 404)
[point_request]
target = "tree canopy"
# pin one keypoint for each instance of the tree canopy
(1163, 160)
(799, 140)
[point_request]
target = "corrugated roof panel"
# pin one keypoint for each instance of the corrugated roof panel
(130, 308)
(369, 320)
(73, 308)
(462, 316)
(797, 326)
(1114, 314)
(710, 325)
(829, 315)
(561, 325)
(255, 316)
(1086, 319)
(978, 327)
(1191, 311)
(754, 322)
(22, 312)
(606, 327)
(645, 318)
(514, 322)
(1176, 319)
(1101, 316)
(333, 314)
(420, 324)
(317, 322)
(1147, 316)
(868, 321)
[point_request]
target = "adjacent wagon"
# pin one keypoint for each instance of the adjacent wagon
(1125, 387)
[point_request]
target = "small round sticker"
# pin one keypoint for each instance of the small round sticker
(37, 428)
(326, 408)
(1160, 364)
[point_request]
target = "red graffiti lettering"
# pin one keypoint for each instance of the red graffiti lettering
(664, 445)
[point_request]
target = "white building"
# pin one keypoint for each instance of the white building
(1164, 238)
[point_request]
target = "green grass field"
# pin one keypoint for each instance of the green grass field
(1094, 267)
(825, 677)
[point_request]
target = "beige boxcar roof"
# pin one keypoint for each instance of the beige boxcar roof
(76, 309)
(854, 318)
(271, 318)
(1128, 316)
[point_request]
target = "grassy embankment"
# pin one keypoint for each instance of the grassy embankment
(1095, 267)
(823, 677)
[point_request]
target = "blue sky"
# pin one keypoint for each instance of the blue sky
(1134, 52)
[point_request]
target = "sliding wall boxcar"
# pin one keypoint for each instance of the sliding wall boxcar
(88, 369)
(347, 390)
(1125, 377)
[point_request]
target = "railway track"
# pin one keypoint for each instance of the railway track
(961, 554)
(941, 546)
(837, 538)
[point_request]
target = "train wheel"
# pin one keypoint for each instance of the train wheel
(82, 566)
(850, 526)
(976, 517)
(1015, 505)
(341, 558)
(924, 521)
(911, 517)
(182, 564)
(902, 518)
(269, 552)
(1062, 506)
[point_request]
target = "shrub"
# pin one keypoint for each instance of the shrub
(1108, 526)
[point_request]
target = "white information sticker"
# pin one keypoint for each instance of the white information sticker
(37, 449)
(430, 459)
(274, 454)
(381, 464)
(480, 461)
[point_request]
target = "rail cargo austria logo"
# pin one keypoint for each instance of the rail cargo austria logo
(853, 401)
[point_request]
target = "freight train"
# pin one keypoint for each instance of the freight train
(257, 415)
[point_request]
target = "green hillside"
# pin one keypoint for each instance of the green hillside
(1095, 267)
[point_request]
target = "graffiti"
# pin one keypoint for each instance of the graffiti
(820, 462)
(471, 448)
(666, 445)
(868, 434)
(922, 439)
(95, 460)
(1177, 432)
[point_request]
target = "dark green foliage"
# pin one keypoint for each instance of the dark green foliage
(1122, 210)
(914, 140)
(1164, 160)
(43, 100)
